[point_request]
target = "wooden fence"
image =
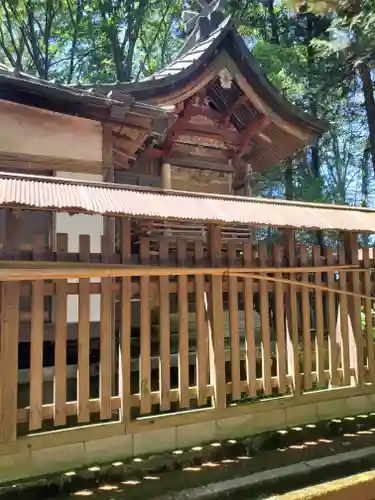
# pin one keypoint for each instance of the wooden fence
(293, 350)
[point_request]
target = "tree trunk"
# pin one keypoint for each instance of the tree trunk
(288, 177)
(368, 94)
(273, 22)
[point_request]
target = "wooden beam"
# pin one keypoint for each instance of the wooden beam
(252, 130)
(175, 130)
(241, 100)
(199, 162)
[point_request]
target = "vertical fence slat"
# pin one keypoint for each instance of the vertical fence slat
(306, 324)
(249, 324)
(165, 331)
(368, 314)
(292, 318)
(60, 321)
(125, 357)
(233, 321)
(145, 355)
(319, 322)
(332, 342)
(106, 338)
(36, 355)
(217, 358)
(354, 307)
(280, 324)
(201, 326)
(342, 323)
(183, 328)
(84, 335)
(9, 335)
(36, 348)
(265, 323)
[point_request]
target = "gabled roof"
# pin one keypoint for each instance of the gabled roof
(190, 66)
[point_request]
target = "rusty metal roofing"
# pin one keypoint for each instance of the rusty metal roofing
(37, 192)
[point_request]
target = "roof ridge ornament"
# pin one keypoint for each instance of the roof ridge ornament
(226, 78)
(200, 25)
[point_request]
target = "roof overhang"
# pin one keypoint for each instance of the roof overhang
(63, 195)
(31, 91)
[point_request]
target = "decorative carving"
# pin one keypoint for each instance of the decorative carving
(201, 176)
(201, 120)
(226, 78)
(202, 141)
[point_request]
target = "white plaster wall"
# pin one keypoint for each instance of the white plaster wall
(31, 131)
(74, 225)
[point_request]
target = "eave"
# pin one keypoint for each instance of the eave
(28, 90)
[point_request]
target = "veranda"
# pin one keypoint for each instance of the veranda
(190, 370)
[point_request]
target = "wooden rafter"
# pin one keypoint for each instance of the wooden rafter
(252, 130)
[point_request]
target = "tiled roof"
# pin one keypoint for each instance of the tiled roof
(37, 192)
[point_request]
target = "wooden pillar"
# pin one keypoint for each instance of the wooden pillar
(166, 178)
(248, 191)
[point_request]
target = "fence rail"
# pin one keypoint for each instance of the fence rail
(254, 321)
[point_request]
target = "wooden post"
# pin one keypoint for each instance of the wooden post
(36, 347)
(306, 324)
(145, 333)
(109, 234)
(203, 326)
(319, 320)
(164, 331)
(292, 340)
(60, 324)
(233, 321)
(280, 323)
(356, 359)
(265, 324)
(368, 314)
(342, 327)
(84, 297)
(125, 334)
(248, 295)
(166, 178)
(332, 333)
(217, 354)
(183, 328)
(9, 333)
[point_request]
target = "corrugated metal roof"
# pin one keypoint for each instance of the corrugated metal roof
(37, 192)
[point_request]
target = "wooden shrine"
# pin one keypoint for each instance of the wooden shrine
(231, 121)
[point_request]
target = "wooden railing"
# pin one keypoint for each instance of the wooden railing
(316, 329)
